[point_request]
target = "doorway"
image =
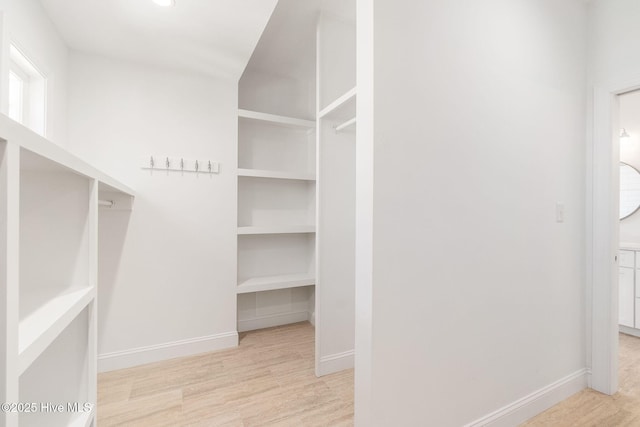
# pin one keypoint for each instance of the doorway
(607, 286)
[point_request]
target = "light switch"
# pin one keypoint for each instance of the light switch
(559, 212)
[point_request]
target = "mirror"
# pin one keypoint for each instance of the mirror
(629, 190)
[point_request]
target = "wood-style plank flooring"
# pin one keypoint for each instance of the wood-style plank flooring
(268, 380)
(589, 408)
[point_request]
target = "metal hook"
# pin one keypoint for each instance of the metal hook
(197, 166)
(182, 164)
(151, 162)
(167, 163)
(209, 166)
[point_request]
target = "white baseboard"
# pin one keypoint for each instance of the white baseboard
(336, 363)
(272, 320)
(155, 353)
(629, 331)
(529, 406)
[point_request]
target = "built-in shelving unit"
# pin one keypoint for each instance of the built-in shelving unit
(50, 200)
(276, 203)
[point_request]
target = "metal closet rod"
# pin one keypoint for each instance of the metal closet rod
(108, 203)
(346, 124)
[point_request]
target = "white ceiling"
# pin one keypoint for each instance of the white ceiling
(215, 37)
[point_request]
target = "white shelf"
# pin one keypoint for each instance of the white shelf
(277, 120)
(43, 326)
(343, 108)
(269, 283)
(53, 155)
(276, 229)
(261, 173)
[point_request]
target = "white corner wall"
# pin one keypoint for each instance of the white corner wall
(473, 311)
(168, 268)
(25, 23)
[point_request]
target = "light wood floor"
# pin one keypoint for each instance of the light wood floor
(592, 409)
(267, 381)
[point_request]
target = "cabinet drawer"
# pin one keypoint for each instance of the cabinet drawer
(626, 258)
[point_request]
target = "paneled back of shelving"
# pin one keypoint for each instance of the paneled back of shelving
(295, 304)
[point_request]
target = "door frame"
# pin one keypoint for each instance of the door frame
(602, 240)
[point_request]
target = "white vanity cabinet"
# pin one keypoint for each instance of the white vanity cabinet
(629, 289)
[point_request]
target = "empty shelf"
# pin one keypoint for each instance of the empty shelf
(41, 327)
(268, 283)
(260, 173)
(277, 229)
(277, 120)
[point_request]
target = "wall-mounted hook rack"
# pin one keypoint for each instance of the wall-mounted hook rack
(179, 164)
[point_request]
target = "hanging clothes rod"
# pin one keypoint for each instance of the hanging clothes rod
(107, 203)
(345, 124)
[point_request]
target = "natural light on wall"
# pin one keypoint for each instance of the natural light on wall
(27, 92)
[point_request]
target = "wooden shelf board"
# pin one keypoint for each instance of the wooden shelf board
(276, 229)
(343, 108)
(41, 327)
(260, 173)
(277, 120)
(269, 283)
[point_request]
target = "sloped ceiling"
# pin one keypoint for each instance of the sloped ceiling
(215, 37)
(288, 45)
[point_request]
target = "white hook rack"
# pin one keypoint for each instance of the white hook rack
(180, 164)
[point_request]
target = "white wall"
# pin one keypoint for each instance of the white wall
(168, 268)
(277, 94)
(477, 131)
(614, 36)
(26, 24)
